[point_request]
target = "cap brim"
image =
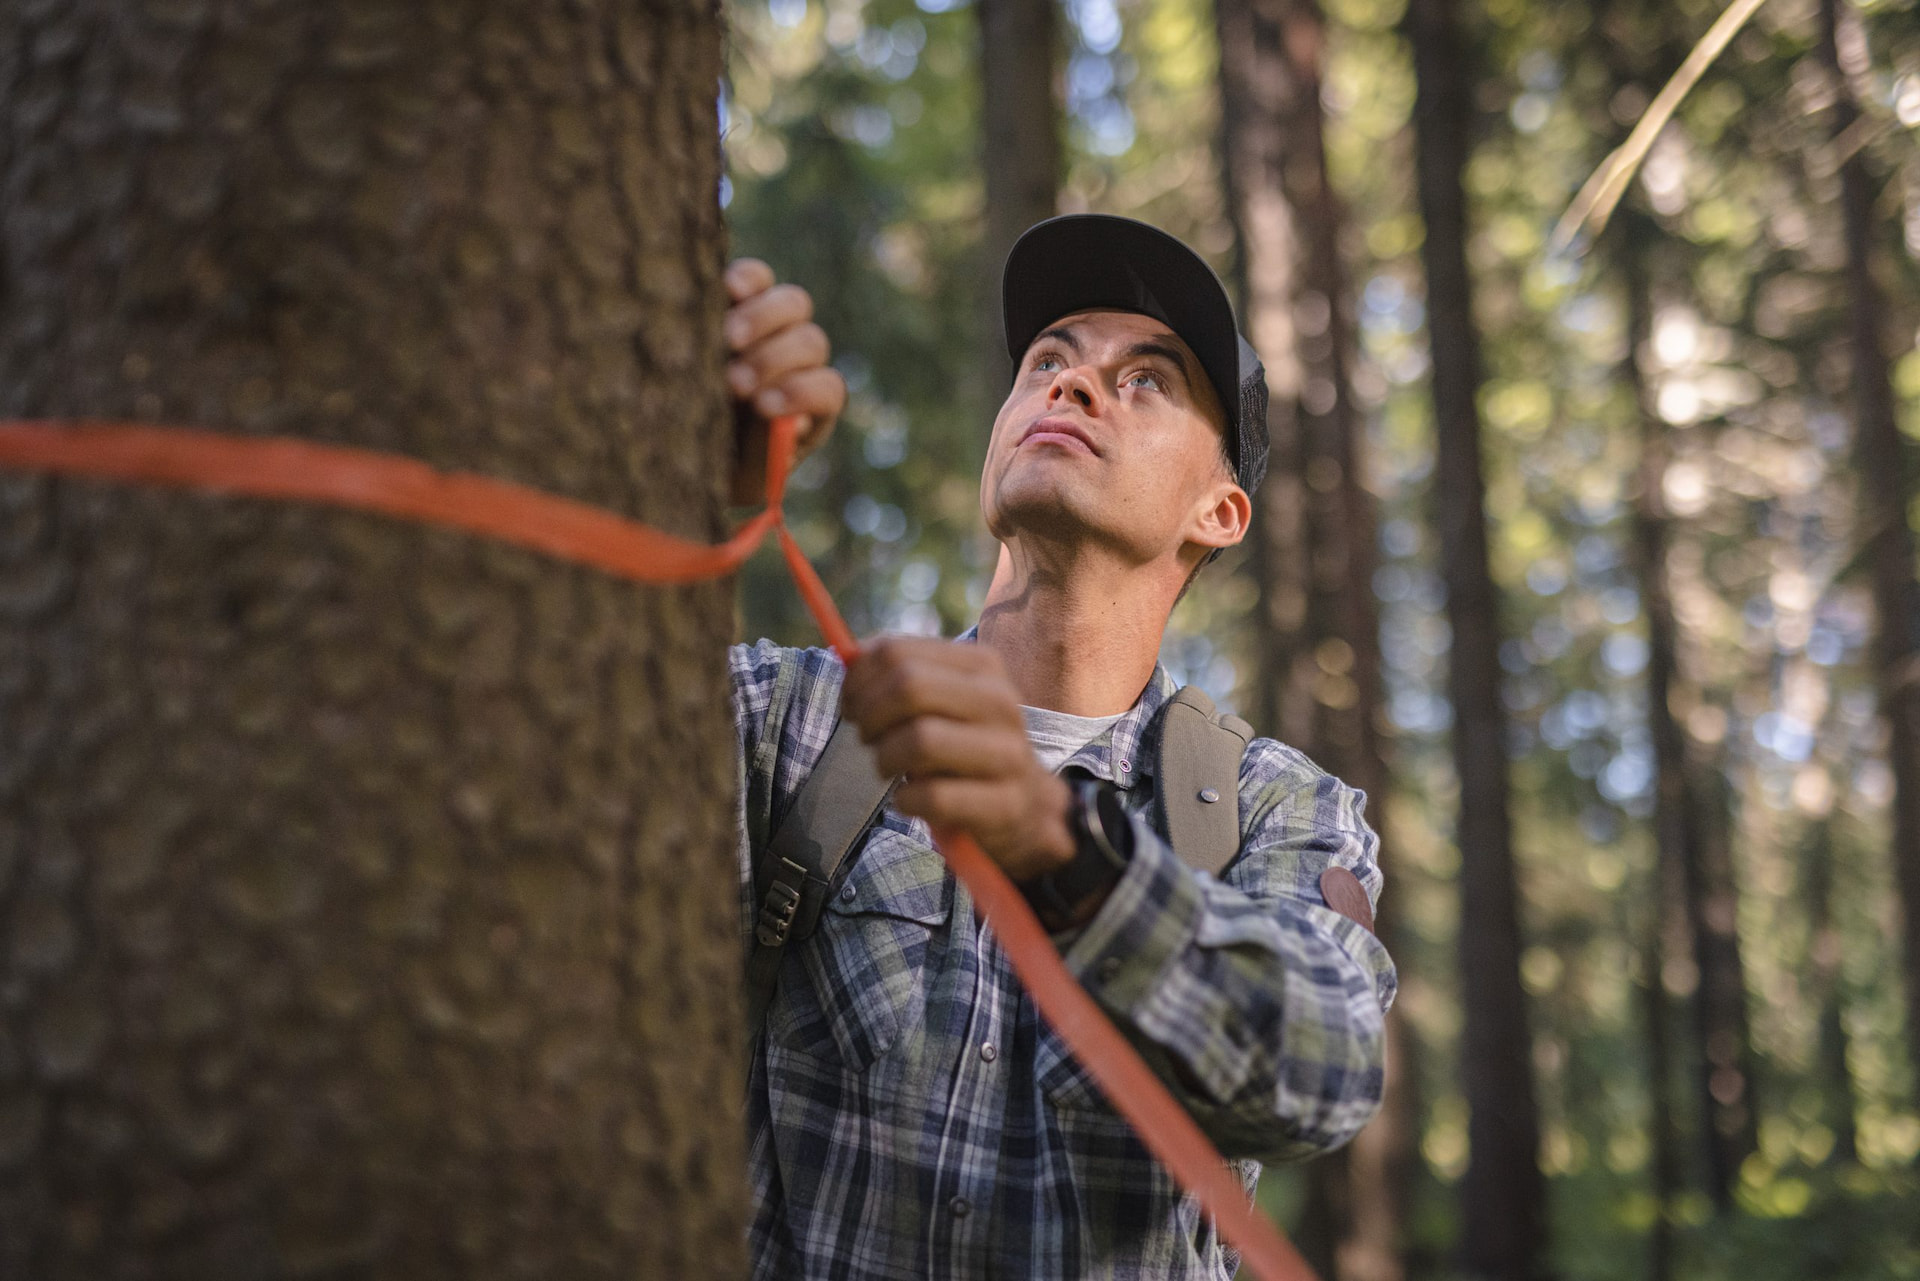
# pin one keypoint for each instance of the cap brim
(1089, 262)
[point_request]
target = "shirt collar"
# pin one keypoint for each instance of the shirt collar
(1119, 754)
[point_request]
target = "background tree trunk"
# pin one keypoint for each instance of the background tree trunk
(1839, 1101)
(1702, 868)
(1729, 1117)
(1318, 683)
(1020, 150)
(346, 931)
(1264, 94)
(1503, 1196)
(1676, 816)
(1887, 489)
(1665, 1174)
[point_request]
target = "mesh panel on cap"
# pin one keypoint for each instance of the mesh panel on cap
(1253, 418)
(1250, 462)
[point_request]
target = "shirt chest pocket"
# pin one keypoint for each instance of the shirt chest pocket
(1064, 1082)
(849, 991)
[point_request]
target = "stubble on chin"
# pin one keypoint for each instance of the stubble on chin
(1029, 500)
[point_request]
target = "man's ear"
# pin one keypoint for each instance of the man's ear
(1223, 516)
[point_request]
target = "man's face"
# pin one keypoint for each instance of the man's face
(1112, 432)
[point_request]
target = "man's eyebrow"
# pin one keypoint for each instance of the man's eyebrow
(1061, 334)
(1167, 352)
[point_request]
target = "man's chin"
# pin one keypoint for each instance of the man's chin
(1044, 507)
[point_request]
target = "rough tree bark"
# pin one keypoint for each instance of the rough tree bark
(1318, 682)
(1020, 149)
(1886, 488)
(1503, 1196)
(345, 932)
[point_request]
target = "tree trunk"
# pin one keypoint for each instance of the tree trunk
(345, 934)
(1318, 683)
(1724, 1060)
(1887, 491)
(1268, 103)
(1729, 1118)
(1666, 1178)
(1676, 816)
(1020, 148)
(1503, 1196)
(1838, 1098)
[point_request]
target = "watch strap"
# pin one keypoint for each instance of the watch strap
(1103, 846)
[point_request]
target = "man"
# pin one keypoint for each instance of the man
(909, 1115)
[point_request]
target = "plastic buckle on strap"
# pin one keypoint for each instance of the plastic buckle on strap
(778, 908)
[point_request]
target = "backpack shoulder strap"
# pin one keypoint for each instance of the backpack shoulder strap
(1197, 779)
(836, 804)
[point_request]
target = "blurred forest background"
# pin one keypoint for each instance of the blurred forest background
(1634, 504)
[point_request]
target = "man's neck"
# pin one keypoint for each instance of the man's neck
(1078, 633)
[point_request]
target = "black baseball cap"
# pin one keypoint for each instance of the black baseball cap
(1086, 262)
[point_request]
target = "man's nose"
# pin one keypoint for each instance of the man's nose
(1071, 382)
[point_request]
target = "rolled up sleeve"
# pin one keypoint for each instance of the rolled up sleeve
(1259, 1005)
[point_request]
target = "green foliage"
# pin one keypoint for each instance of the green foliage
(1845, 1225)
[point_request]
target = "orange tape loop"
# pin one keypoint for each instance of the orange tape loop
(366, 480)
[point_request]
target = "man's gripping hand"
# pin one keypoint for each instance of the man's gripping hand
(777, 364)
(948, 718)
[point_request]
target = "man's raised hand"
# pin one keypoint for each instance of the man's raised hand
(947, 717)
(777, 364)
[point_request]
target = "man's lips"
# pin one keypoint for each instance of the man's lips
(1061, 431)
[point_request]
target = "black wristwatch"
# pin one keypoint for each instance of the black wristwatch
(1103, 847)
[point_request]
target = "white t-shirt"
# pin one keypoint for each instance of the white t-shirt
(1056, 735)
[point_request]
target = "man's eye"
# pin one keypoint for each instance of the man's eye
(1143, 378)
(1046, 364)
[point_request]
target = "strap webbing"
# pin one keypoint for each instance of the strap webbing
(836, 804)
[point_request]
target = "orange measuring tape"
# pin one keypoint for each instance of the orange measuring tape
(367, 480)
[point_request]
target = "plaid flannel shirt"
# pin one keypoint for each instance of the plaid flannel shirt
(911, 1117)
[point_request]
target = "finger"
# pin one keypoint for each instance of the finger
(987, 662)
(929, 689)
(766, 313)
(926, 691)
(986, 809)
(899, 650)
(786, 351)
(746, 277)
(770, 359)
(886, 656)
(813, 434)
(894, 649)
(934, 745)
(979, 660)
(819, 392)
(881, 657)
